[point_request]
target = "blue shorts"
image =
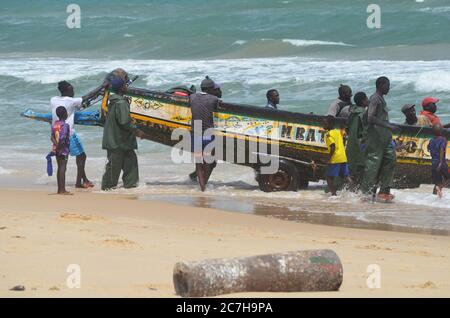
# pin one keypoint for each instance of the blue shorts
(338, 170)
(440, 176)
(76, 147)
(199, 143)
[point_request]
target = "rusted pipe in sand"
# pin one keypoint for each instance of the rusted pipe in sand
(300, 271)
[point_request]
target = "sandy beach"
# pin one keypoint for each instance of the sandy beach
(127, 247)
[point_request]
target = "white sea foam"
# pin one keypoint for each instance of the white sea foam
(300, 42)
(4, 171)
(239, 42)
(435, 81)
(423, 197)
(423, 75)
(436, 9)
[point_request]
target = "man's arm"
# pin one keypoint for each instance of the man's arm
(333, 109)
(53, 139)
(372, 116)
(123, 117)
(442, 157)
(332, 151)
(218, 105)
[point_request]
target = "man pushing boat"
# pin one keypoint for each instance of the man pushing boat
(380, 149)
(119, 140)
(72, 104)
(203, 105)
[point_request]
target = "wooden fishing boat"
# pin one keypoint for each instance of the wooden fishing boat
(302, 152)
(299, 137)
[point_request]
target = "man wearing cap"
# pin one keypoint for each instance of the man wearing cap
(119, 140)
(203, 105)
(73, 104)
(428, 117)
(409, 110)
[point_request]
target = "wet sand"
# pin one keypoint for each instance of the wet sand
(327, 217)
(127, 247)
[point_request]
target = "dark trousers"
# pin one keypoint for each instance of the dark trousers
(121, 160)
(380, 167)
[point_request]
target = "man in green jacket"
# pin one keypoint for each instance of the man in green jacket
(119, 140)
(357, 131)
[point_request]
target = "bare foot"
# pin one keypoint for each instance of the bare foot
(439, 192)
(384, 198)
(85, 185)
(65, 193)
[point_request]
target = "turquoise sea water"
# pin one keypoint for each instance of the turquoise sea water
(305, 49)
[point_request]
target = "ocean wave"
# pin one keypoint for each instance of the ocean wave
(435, 81)
(4, 171)
(300, 42)
(424, 75)
(435, 221)
(239, 42)
(435, 10)
(423, 196)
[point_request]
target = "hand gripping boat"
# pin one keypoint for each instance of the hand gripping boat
(302, 153)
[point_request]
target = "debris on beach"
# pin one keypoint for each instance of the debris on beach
(18, 288)
(300, 271)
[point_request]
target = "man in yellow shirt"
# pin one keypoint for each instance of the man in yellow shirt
(338, 159)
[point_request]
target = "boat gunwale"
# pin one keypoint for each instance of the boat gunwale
(270, 114)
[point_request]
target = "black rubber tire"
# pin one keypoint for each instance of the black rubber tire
(285, 179)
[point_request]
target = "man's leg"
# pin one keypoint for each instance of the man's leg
(371, 169)
(209, 169)
(330, 182)
(81, 174)
(199, 163)
(193, 175)
(387, 170)
(130, 167)
(210, 163)
(201, 175)
(112, 169)
(77, 150)
(61, 174)
(332, 175)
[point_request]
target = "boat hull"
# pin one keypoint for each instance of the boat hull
(299, 137)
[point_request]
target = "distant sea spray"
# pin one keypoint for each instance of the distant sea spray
(425, 76)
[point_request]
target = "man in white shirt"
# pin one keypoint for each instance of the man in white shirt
(72, 105)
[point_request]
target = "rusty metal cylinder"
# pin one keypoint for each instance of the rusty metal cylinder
(299, 271)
